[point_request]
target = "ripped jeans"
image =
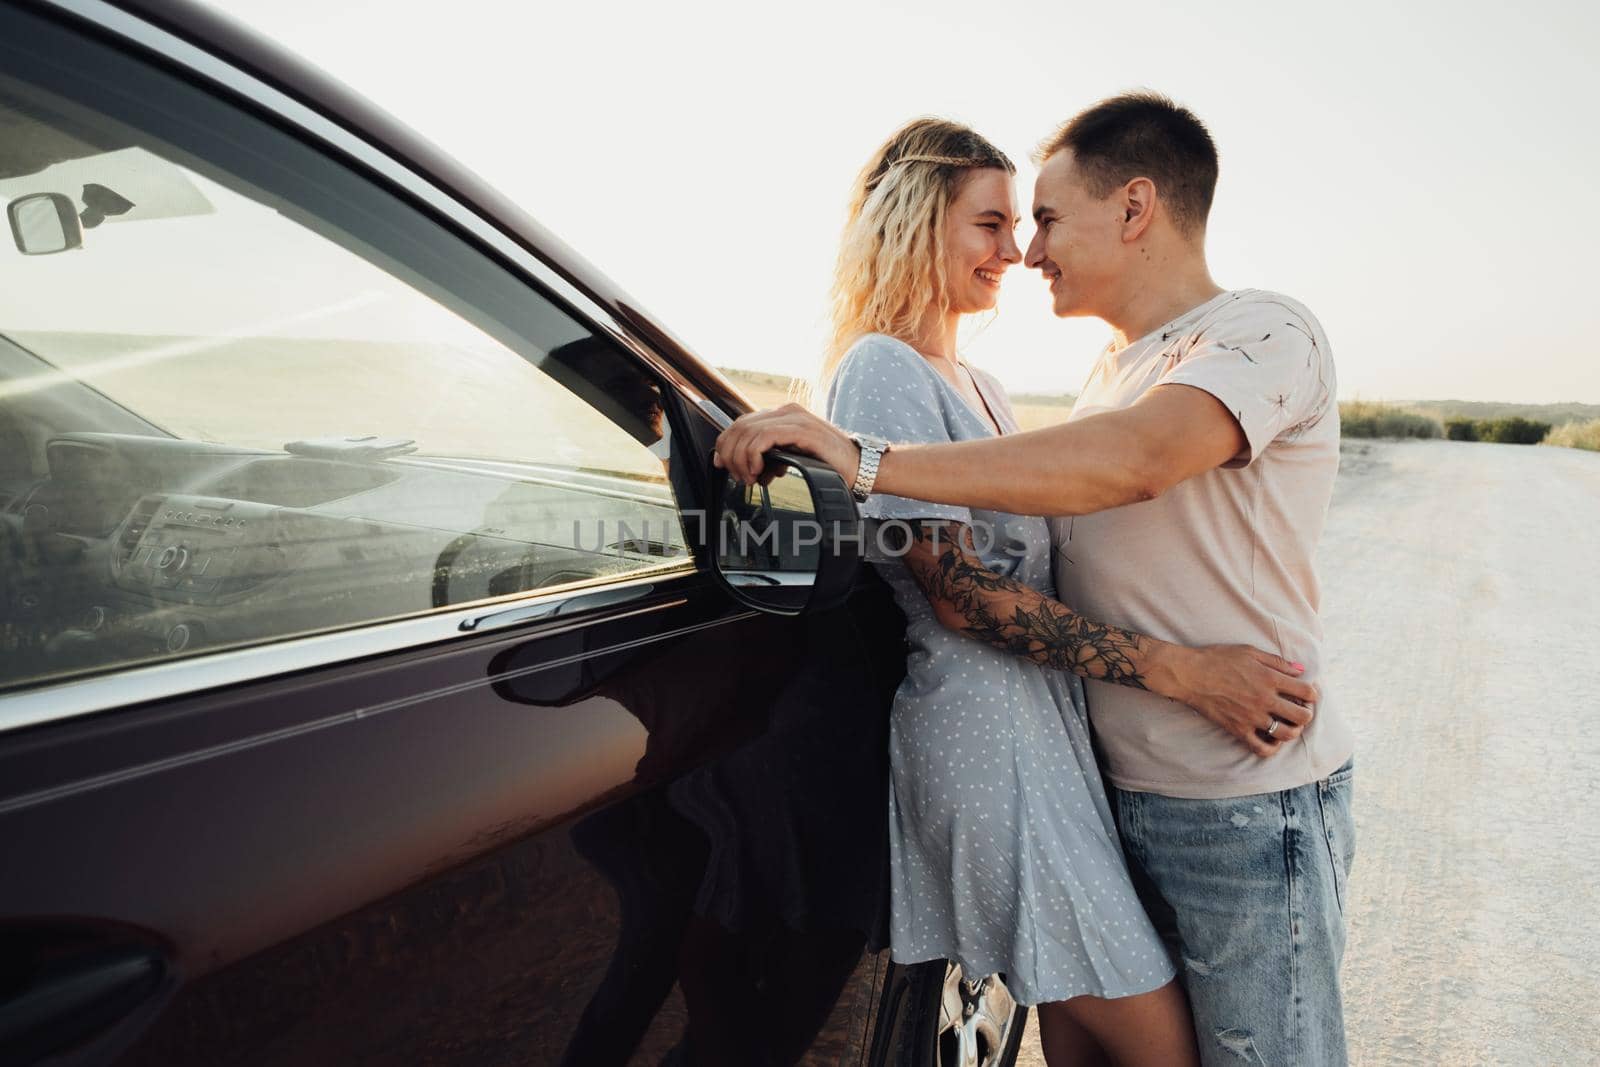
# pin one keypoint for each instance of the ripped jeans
(1250, 893)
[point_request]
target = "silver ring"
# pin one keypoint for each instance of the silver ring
(1273, 729)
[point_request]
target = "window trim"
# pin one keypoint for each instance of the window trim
(125, 686)
(120, 687)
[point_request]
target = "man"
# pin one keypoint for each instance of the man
(1192, 481)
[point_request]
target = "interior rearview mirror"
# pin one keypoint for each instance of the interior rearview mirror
(790, 543)
(43, 223)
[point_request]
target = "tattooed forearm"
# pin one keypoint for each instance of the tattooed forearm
(1015, 617)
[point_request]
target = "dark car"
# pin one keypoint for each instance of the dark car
(386, 675)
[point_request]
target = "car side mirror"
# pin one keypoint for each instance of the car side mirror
(789, 544)
(44, 223)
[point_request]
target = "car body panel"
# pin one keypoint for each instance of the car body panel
(446, 848)
(616, 829)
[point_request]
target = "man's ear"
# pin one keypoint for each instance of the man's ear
(1138, 208)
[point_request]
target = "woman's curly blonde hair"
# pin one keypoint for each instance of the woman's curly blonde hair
(891, 256)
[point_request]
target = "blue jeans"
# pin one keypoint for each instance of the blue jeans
(1250, 893)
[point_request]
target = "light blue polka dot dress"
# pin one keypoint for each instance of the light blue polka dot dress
(1003, 851)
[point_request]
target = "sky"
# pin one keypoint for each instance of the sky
(1419, 174)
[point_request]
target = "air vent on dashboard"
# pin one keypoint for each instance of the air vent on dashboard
(135, 527)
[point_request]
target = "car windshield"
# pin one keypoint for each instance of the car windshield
(216, 317)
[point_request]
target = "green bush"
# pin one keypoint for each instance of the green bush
(1362, 418)
(1513, 431)
(1585, 435)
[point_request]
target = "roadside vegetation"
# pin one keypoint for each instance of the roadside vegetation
(1507, 424)
(1584, 435)
(1513, 431)
(1363, 418)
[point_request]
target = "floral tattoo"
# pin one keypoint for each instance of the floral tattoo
(1015, 617)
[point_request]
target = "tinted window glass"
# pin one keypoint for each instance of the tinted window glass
(263, 397)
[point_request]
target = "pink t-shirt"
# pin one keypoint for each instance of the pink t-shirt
(1223, 558)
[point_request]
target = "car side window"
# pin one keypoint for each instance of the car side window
(247, 393)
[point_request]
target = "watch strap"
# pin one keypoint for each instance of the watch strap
(872, 450)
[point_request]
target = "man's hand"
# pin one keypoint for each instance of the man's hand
(739, 447)
(1243, 690)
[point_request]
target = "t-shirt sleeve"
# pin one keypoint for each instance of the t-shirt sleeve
(879, 390)
(1268, 364)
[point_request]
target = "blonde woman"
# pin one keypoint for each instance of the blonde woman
(1004, 854)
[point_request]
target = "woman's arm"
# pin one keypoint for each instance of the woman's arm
(1239, 688)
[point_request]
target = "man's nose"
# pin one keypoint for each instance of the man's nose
(1035, 250)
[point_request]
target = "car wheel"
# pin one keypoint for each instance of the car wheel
(959, 1023)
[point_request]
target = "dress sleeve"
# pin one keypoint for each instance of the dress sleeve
(885, 389)
(1270, 366)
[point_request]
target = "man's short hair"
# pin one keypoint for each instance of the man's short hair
(1143, 135)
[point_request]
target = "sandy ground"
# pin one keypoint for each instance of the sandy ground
(1462, 601)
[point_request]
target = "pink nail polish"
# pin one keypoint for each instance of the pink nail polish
(1298, 666)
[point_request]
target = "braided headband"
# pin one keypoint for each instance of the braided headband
(951, 161)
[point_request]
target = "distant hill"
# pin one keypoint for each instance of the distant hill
(764, 390)
(760, 379)
(1036, 409)
(1554, 414)
(764, 383)
(1032, 410)
(1061, 400)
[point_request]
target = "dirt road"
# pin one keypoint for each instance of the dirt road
(1462, 600)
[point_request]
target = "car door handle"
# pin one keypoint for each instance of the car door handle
(602, 598)
(67, 1001)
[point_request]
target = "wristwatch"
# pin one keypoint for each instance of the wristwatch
(872, 450)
